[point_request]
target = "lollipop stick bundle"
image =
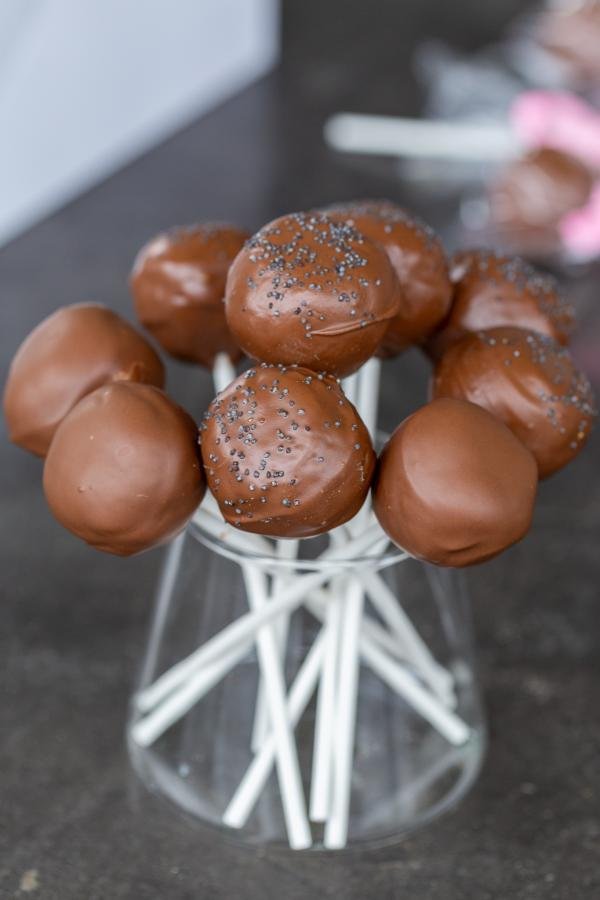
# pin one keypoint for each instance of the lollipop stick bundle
(285, 452)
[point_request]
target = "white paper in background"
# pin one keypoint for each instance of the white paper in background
(87, 85)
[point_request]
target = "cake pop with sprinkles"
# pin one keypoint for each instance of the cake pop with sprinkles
(285, 453)
(529, 382)
(311, 291)
(178, 285)
(419, 261)
(491, 290)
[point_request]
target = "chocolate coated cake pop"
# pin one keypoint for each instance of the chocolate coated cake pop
(529, 382)
(538, 189)
(124, 471)
(310, 291)
(419, 261)
(69, 354)
(178, 285)
(285, 453)
(454, 486)
(493, 290)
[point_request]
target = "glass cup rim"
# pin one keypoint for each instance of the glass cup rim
(377, 559)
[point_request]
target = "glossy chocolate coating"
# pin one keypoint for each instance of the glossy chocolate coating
(419, 261)
(493, 290)
(309, 291)
(124, 471)
(529, 382)
(538, 189)
(178, 285)
(285, 453)
(69, 354)
(454, 486)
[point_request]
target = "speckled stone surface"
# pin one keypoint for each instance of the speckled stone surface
(75, 824)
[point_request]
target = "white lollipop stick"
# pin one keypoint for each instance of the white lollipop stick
(349, 626)
(336, 828)
(198, 683)
(223, 372)
(253, 782)
(420, 138)
(368, 393)
(403, 682)
(286, 550)
(286, 755)
(416, 650)
(322, 761)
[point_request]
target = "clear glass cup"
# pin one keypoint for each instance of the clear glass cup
(405, 773)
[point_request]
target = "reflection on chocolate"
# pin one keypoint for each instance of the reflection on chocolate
(69, 354)
(454, 486)
(538, 189)
(493, 290)
(178, 285)
(419, 261)
(285, 453)
(527, 380)
(309, 291)
(123, 471)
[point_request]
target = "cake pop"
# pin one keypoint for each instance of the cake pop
(529, 382)
(310, 291)
(69, 354)
(493, 290)
(123, 471)
(285, 453)
(454, 486)
(538, 189)
(419, 261)
(178, 285)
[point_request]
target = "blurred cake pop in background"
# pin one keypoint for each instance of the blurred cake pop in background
(569, 32)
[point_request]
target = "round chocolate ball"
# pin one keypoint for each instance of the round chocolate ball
(538, 189)
(69, 354)
(178, 285)
(493, 290)
(454, 486)
(310, 291)
(285, 453)
(420, 264)
(124, 471)
(529, 382)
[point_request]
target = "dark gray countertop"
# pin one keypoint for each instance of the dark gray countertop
(74, 821)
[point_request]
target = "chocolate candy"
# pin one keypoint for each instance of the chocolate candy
(454, 486)
(538, 189)
(529, 382)
(419, 261)
(285, 453)
(69, 354)
(493, 290)
(123, 471)
(178, 285)
(310, 291)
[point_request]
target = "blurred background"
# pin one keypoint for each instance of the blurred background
(119, 119)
